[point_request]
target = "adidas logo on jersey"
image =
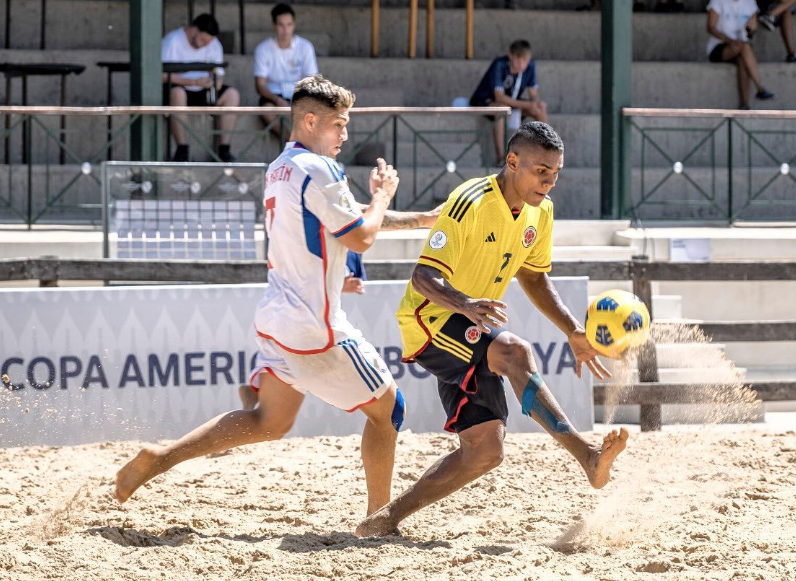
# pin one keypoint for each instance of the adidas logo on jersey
(491, 237)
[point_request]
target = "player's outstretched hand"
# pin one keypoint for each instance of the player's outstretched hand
(485, 312)
(353, 284)
(383, 177)
(585, 353)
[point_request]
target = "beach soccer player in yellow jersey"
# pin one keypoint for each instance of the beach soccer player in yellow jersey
(490, 230)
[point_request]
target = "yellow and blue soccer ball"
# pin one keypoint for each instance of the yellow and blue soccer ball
(616, 321)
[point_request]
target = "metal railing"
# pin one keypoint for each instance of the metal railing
(711, 164)
(440, 146)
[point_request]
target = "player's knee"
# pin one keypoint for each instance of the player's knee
(487, 456)
(178, 97)
(511, 354)
(272, 428)
(232, 97)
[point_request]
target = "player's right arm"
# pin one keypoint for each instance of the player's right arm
(430, 282)
(383, 185)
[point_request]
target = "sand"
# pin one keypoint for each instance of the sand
(697, 504)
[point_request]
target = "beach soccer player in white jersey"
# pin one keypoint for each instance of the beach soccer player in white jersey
(306, 343)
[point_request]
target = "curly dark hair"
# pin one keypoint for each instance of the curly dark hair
(536, 133)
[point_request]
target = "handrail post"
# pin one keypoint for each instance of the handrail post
(412, 52)
(430, 29)
(729, 170)
(650, 417)
(145, 76)
(468, 29)
(27, 131)
(617, 62)
(374, 29)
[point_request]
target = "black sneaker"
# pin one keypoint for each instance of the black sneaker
(791, 58)
(181, 154)
(765, 95)
(768, 21)
(226, 157)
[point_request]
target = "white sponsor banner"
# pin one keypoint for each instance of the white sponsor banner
(147, 363)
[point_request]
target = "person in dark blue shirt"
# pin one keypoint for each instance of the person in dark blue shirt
(503, 85)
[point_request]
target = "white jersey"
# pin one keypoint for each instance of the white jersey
(175, 48)
(308, 206)
(284, 67)
(733, 16)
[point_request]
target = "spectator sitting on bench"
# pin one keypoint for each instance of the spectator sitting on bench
(198, 43)
(279, 63)
(503, 84)
(775, 13)
(730, 23)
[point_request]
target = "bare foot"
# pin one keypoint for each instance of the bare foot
(602, 460)
(136, 472)
(247, 396)
(378, 524)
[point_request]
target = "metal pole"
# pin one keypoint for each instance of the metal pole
(42, 25)
(8, 23)
(729, 170)
(412, 28)
(374, 29)
(430, 30)
(242, 22)
(468, 26)
(146, 84)
(617, 61)
(650, 418)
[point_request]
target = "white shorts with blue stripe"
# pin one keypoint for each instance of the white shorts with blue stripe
(348, 375)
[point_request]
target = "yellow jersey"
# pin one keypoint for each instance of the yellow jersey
(478, 245)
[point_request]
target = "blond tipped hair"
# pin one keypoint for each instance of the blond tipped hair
(316, 90)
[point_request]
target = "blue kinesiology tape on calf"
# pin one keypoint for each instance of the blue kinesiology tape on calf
(398, 411)
(531, 404)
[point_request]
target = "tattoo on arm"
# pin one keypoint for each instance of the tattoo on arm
(400, 220)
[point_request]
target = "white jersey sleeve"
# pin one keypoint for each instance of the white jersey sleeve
(328, 196)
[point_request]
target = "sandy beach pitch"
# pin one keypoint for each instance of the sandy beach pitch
(683, 505)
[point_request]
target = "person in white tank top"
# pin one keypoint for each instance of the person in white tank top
(306, 343)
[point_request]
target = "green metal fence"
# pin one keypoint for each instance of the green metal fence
(51, 175)
(721, 165)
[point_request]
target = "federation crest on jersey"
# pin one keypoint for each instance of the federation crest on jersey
(438, 240)
(528, 236)
(345, 202)
(472, 334)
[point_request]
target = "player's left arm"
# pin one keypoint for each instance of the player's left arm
(394, 220)
(543, 294)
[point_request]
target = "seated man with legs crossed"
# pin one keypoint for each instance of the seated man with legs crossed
(197, 43)
(490, 230)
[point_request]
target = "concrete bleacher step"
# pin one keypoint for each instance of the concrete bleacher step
(690, 376)
(571, 87)
(689, 355)
(587, 252)
(729, 243)
(556, 30)
(588, 232)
